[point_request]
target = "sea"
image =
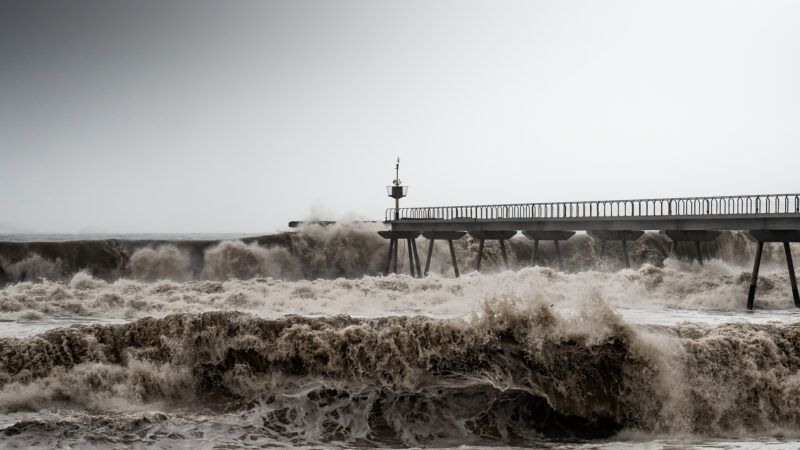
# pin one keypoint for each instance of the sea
(299, 339)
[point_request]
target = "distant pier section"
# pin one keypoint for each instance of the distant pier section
(765, 218)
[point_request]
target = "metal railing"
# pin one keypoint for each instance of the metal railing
(689, 206)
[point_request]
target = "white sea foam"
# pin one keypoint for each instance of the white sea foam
(678, 290)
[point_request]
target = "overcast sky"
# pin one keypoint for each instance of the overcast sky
(238, 116)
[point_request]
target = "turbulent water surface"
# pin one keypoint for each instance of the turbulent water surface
(297, 339)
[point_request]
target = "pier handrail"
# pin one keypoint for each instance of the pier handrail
(763, 204)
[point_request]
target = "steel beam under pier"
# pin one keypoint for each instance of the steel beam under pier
(496, 235)
(554, 236)
(775, 235)
(784, 236)
(449, 236)
(617, 235)
(394, 242)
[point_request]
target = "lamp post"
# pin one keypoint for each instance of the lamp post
(397, 190)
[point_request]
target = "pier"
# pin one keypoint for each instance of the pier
(765, 218)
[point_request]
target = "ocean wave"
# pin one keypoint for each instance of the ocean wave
(340, 250)
(511, 373)
(162, 262)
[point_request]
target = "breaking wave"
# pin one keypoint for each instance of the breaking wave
(340, 250)
(510, 374)
(235, 259)
(33, 267)
(162, 262)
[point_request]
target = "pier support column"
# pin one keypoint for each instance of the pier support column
(449, 236)
(698, 252)
(792, 279)
(453, 256)
(697, 236)
(410, 249)
(480, 257)
(558, 255)
(428, 258)
(394, 255)
(535, 252)
(392, 243)
(751, 294)
(784, 237)
(484, 235)
(625, 254)
(394, 238)
(555, 236)
(617, 235)
(503, 252)
(413, 243)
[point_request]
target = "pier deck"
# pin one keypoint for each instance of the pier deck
(788, 221)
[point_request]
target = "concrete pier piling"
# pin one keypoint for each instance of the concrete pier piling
(449, 236)
(389, 258)
(493, 235)
(751, 294)
(617, 235)
(792, 278)
(555, 236)
(696, 236)
(394, 238)
(785, 237)
(453, 256)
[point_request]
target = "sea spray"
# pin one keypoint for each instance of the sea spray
(349, 250)
(235, 259)
(33, 267)
(162, 262)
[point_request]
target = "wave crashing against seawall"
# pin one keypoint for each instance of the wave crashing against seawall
(349, 250)
(342, 250)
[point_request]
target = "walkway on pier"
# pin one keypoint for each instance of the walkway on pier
(766, 218)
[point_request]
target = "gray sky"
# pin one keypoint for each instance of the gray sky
(151, 116)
